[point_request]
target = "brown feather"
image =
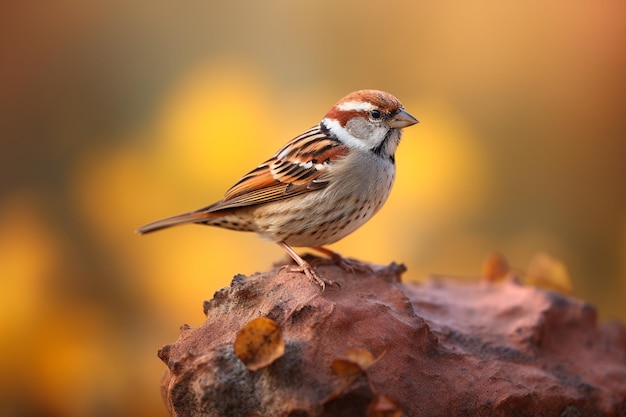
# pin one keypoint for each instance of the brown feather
(185, 218)
(298, 167)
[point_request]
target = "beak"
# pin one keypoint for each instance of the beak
(402, 119)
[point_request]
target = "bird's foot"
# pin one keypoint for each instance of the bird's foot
(347, 264)
(313, 276)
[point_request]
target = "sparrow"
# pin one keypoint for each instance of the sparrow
(319, 187)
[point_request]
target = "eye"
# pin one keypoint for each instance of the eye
(375, 114)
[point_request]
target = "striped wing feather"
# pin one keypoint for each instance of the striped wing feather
(298, 167)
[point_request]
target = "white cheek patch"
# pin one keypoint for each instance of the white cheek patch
(343, 135)
(355, 106)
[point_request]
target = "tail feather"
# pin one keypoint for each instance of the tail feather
(185, 218)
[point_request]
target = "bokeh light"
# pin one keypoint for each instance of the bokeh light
(119, 113)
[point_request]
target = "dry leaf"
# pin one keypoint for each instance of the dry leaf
(547, 272)
(259, 343)
(350, 365)
(353, 361)
(495, 267)
(382, 406)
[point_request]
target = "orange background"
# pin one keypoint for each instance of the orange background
(119, 113)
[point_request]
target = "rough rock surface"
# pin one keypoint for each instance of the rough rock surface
(444, 348)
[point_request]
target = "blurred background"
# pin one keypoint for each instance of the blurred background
(113, 114)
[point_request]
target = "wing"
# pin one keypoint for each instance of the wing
(300, 166)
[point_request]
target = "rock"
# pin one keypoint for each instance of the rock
(443, 348)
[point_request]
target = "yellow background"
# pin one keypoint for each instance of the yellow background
(119, 113)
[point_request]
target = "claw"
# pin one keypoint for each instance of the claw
(306, 268)
(349, 265)
(352, 265)
(313, 276)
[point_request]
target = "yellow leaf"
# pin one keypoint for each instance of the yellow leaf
(495, 267)
(547, 272)
(259, 343)
(353, 361)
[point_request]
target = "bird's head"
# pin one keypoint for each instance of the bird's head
(369, 120)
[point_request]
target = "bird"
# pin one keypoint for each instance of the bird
(321, 186)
